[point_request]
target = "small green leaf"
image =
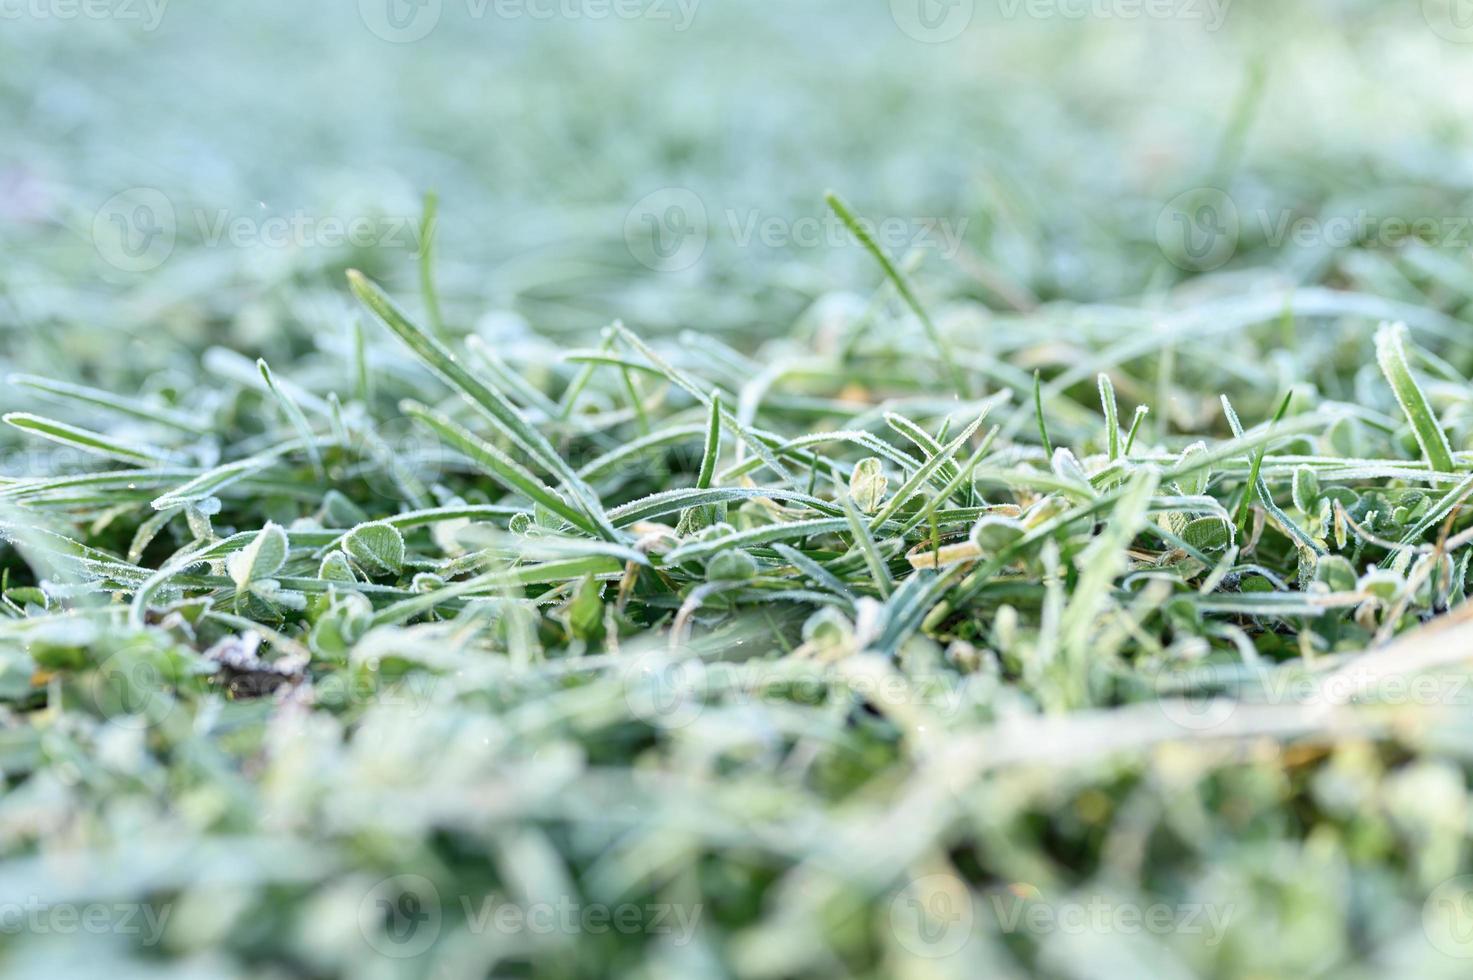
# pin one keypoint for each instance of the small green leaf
(731, 565)
(994, 534)
(868, 483)
(586, 610)
(1195, 482)
(335, 568)
(260, 559)
(1306, 489)
(1336, 572)
(377, 547)
(1208, 534)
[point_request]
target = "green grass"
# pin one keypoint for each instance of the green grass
(839, 611)
(770, 641)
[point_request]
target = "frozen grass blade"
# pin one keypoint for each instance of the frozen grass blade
(712, 452)
(1112, 415)
(902, 286)
(113, 403)
(1392, 356)
(492, 404)
(497, 465)
(87, 441)
(294, 416)
(428, 222)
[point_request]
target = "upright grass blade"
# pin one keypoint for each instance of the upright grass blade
(1141, 411)
(428, 223)
(1112, 415)
(497, 465)
(493, 405)
(902, 286)
(294, 416)
(713, 444)
(864, 543)
(1101, 562)
(923, 473)
(682, 380)
(1392, 356)
(362, 377)
(1251, 488)
(1048, 446)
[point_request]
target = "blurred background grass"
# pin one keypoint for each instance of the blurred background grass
(1053, 141)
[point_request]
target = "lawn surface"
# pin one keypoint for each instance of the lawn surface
(478, 504)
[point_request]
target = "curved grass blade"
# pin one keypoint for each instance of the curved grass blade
(1392, 356)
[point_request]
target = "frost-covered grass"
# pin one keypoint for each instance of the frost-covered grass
(525, 606)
